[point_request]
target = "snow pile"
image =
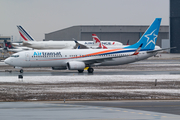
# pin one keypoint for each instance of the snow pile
(89, 78)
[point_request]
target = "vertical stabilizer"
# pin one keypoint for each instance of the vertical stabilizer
(26, 37)
(97, 42)
(149, 38)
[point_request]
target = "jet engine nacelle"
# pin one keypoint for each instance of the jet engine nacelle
(75, 65)
(59, 68)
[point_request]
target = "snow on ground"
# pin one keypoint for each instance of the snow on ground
(94, 90)
(94, 78)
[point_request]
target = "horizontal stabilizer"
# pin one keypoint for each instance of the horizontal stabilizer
(160, 50)
(26, 43)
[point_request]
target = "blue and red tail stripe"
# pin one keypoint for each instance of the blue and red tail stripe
(24, 34)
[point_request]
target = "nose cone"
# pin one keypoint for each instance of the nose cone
(7, 61)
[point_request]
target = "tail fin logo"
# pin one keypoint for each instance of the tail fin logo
(95, 38)
(24, 34)
(151, 38)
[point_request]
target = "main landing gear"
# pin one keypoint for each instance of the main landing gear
(80, 71)
(90, 70)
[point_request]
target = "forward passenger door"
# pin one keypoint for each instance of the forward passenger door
(27, 56)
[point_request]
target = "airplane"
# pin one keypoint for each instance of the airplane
(29, 41)
(78, 59)
(1, 48)
(10, 48)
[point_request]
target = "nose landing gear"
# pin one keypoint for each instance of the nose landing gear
(21, 71)
(80, 71)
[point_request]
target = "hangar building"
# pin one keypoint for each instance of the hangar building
(121, 33)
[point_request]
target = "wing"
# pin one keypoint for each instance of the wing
(110, 58)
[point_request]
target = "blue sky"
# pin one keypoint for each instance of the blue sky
(43, 16)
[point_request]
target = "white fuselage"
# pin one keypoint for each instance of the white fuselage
(19, 49)
(64, 44)
(59, 58)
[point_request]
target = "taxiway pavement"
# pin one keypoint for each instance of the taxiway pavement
(111, 110)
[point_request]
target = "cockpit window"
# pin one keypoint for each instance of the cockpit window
(14, 55)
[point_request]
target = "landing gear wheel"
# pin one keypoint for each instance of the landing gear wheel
(21, 71)
(90, 70)
(80, 71)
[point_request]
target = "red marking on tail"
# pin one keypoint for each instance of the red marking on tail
(104, 47)
(23, 36)
(96, 39)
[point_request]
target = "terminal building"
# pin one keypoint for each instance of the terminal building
(119, 33)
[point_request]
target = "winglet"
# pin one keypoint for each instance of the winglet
(75, 41)
(137, 51)
(79, 46)
(127, 42)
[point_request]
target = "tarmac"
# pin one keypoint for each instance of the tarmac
(97, 110)
(41, 94)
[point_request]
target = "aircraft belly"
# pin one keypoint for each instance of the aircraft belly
(48, 64)
(119, 61)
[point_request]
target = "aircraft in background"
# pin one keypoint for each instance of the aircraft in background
(97, 42)
(78, 59)
(29, 41)
(10, 48)
(1, 48)
(101, 45)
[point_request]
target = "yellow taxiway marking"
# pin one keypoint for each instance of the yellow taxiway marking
(117, 110)
(125, 111)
